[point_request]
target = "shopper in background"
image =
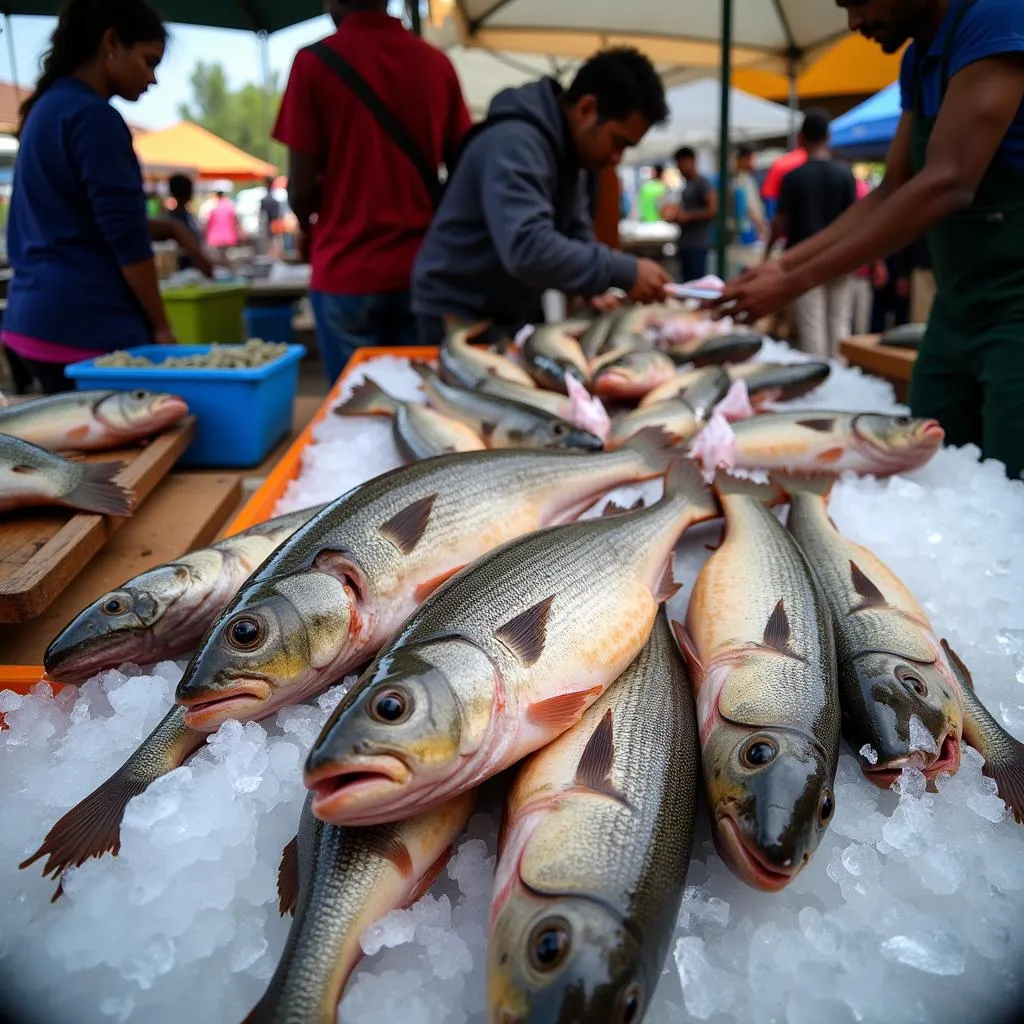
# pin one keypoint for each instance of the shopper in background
(696, 208)
(222, 225)
(363, 170)
(270, 214)
(181, 191)
(85, 280)
(748, 225)
(650, 195)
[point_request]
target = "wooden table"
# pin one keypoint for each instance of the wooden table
(892, 364)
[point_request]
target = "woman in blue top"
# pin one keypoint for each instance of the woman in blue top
(85, 281)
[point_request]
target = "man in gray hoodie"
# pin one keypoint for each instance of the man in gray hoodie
(514, 221)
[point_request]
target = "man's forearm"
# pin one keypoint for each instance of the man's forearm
(142, 279)
(838, 230)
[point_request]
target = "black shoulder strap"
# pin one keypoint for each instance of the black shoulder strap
(385, 118)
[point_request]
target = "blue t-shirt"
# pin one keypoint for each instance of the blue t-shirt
(78, 214)
(989, 28)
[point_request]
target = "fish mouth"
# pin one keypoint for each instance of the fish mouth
(76, 663)
(747, 862)
(883, 775)
(207, 713)
(340, 791)
(931, 433)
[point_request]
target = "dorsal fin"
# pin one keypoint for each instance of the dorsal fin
(778, 633)
(525, 634)
(595, 767)
(405, 528)
(870, 596)
(288, 878)
(613, 508)
(823, 424)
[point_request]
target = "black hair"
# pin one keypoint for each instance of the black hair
(81, 26)
(659, 170)
(744, 149)
(624, 82)
(685, 153)
(181, 188)
(815, 128)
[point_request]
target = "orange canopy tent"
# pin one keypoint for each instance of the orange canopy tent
(187, 144)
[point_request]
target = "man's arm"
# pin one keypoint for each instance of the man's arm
(167, 229)
(303, 187)
(780, 228)
(709, 211)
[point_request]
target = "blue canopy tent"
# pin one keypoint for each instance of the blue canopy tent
(865, 132)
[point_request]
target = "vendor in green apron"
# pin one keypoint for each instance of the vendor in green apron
(956, 172)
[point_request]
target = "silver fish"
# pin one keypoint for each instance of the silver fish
(766, 382)
(550, 353)
(467, 367)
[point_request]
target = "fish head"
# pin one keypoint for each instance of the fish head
(904, 442)
(729, 348)
(121, 626)
(890, 690)
(278, 642)
(139, 412)
(552, 432)
(568, 959)
(771, 795)
(408, 725)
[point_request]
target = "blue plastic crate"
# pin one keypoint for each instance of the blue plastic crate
(240, 414)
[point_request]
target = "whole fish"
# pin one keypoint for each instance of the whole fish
(594, 339)
(419, 431)
(338, 882)
(759, 641)
(89, 421)
(631, 375)
(502, 659)
(337, 590)
(866, 443)
(32, 476)
(682, 417)
(766, 382)
(163, 613)
(551, 353)
(595, 849)
(892, 666)
(465, 366)
(500, 422)
(716, 351)
(552, 403)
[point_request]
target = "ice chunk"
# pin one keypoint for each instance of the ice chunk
(869, 754)
(921, 738)
(937, 953)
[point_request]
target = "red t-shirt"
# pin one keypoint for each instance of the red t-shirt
(374, 209)
(787, 162)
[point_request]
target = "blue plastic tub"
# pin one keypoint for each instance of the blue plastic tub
(240, 414)
(271, 323)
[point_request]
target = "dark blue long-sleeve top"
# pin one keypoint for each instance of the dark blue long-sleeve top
(77, 216)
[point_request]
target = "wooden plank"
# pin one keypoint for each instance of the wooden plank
(185, 511)
(40, 553)
(892, 364)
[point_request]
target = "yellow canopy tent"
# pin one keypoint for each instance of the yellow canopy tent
(187, 144)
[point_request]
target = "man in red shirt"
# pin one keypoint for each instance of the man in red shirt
(362, 200)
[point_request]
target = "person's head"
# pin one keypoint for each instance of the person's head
(815, 131)
(890, 23)
(180, 188)
(220, 194)
(612, 102)
(337, 10)
(657, 172)
(686, 161)
(120, 42)
(745, 158)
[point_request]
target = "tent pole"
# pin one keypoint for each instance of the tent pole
(11, 55)
(723, 137)
(263, 42)
(414, 16)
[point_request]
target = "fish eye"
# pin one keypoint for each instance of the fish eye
(827, 807)
(910, 678)
(391, 706)
(903, 421)
(629, 1005)
(245, 633)
(139, 394)
(115, 606)
(549, 944)
(758, 752)
(559, 429)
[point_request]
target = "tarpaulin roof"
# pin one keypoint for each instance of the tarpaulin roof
(868, 129)
(190, 145)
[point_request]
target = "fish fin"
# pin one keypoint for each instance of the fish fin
(457, 329)
(524, 635)
(823, 424)
(404, 529)
(613, 508)
(659, 448)
(430, 876)
(424, 369)
(487, 430)
(385, 841)
(562, 712)
(686, 479)
(78, 433)
(667, 586)
(368, 398)
(427, 587)
(778, 633)
(288, 878)
(97, 491)
(726, 483)
(870, 596)
(1003, 753)
(685, 644)
(595, 765)
(792, 483)
(831, 455)
(503, 830)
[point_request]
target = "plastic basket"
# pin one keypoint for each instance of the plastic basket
(203, 314)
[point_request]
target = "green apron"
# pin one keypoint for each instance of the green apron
(969, 374)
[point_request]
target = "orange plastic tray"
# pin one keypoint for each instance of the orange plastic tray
(260, 507)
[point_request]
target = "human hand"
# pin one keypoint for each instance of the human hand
(202, 263)
(757, 293)
(651, 279)
(670, 212)
(164, 335)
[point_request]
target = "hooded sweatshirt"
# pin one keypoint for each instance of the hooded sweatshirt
(514, 221)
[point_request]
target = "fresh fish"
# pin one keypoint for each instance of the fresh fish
(553, 403)
(594, 339)
(501, 660)
(551, 353)
(759, 641)
(337, 882)
(327, 600)
(89, 421)
(500, 422)
(465, 366)
(766, 382)
(866, 443)
(631, 328)
(716, 351)
(595, 849)
(162, 614)
(892, 666)
(681, 417)
(632, 375)
(419, 431)
(32, 476)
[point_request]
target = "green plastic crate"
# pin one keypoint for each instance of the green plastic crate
(204, 314)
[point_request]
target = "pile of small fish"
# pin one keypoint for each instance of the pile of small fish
(498, 630)
(253, 353)
(34, 431)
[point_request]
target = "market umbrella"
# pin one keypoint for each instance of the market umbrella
(188, 143)
(867, 130)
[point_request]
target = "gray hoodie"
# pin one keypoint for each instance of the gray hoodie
(499, 238)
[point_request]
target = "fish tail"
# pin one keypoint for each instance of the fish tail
(425, 370)
(368, 399)
(791, 483)
(97, 491)
(726, 484)
(684, 479)
(657, 447)
(463, 333)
